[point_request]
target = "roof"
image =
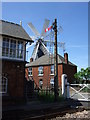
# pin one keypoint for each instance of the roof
(47, 60)
(13, 30)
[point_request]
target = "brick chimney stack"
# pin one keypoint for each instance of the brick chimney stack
(66, 57)
(31, 59)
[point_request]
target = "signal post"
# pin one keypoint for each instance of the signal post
(55, 62)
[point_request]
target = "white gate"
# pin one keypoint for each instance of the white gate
(79, 92)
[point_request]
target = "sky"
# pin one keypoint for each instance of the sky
(72, 16)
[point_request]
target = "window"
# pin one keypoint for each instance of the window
(20, 49)
(40, 70)
(52, 82)
(52, 69)
(3, 84)
(40, 83)
(12, 48)
(30, 71)
(5, 47)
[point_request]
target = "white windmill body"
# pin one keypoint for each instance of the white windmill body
(39, 50)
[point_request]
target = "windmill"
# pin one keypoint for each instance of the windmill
(40, 47)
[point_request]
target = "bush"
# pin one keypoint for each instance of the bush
(48, 96)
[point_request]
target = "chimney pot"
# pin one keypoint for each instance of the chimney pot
(66, 57)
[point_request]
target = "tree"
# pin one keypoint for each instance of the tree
(83, 75)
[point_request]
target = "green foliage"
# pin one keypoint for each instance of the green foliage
(48, 96)
(86, 90)
(83, 75)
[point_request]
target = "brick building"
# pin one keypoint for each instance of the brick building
(13, 40)
(42, 70)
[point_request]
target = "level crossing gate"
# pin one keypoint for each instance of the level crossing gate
(79, 92)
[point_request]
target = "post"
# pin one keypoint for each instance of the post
(68, 93)
(64, 82)
(63, 85)
(55, 62)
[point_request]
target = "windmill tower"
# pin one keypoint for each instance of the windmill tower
(40, 48)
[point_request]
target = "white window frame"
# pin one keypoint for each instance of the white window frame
(20, 50)
(3, 84)
(40, 71)
(8, 56)
(30, 71)
(5, 47)
(12, 52)
(52, 70)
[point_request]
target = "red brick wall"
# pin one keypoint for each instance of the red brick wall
(26, 73)
(46, 75)
(35, 75)
(60, 72)
(15, 74)
(68, 69)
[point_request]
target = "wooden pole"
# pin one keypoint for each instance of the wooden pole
(55, 62)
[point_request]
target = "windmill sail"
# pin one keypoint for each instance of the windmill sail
(46, 23)
(40, 49)
(34, 30)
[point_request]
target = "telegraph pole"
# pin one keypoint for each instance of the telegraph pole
(55, 61)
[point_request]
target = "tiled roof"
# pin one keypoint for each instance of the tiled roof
(47, 60)
(13, 30)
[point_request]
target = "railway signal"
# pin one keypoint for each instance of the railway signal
(55, 61)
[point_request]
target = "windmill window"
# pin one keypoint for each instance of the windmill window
(3, 84)
(52, 69)
(30, 71)
(40, 70)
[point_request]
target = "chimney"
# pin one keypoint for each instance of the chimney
(21, 23)
(31, 59)
(66, 57)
